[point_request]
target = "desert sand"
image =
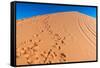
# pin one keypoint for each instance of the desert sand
(55, 38)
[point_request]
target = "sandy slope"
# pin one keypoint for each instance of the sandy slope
(56, 38)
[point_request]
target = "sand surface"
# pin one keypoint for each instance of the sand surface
(55, 38)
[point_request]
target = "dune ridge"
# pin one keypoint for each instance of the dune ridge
(56, 38)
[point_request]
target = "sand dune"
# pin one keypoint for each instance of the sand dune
(56, 38)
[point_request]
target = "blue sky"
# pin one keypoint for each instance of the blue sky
(26, 10)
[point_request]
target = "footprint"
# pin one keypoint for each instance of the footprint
(59, 47)
(63, 55)
(36, 58)
(42, 55)
(56, 43)
(35, 35)
(57, 37)
(30, 40)
(26, 55)
(62, 41)
(29, 61)
(34, 50)
(42, 31)
(35, 44)
(22, 51)
(54, 53)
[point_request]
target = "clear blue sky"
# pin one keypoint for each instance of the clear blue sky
(26, 10)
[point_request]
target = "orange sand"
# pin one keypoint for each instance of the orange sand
(56, 38)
